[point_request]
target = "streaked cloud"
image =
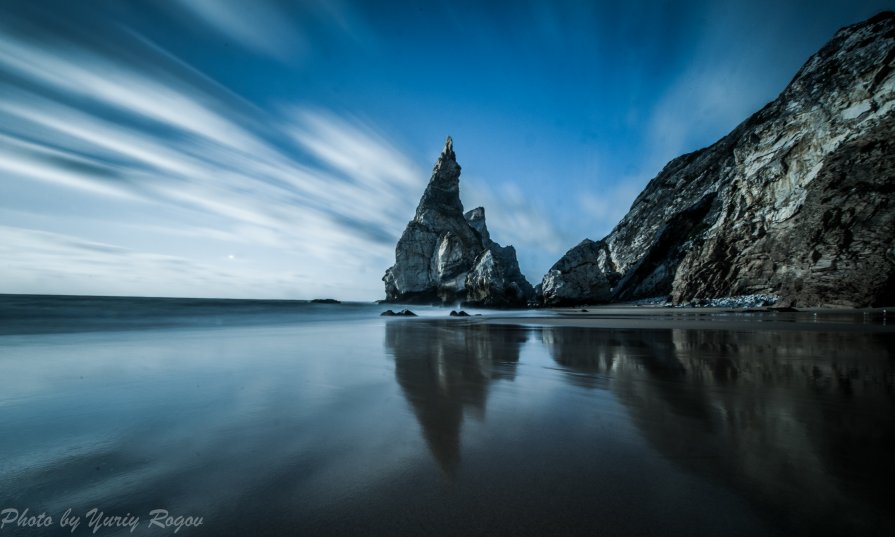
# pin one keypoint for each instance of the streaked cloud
(259, 25)
(309, 185)
(604, 209)
(514, 218)
(62, 264)
(144, 132)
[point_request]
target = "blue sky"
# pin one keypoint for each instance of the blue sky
(271, 149)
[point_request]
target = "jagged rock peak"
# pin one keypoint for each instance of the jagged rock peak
(447, 152)
(446, 167)
(443, 191)
(445, 256)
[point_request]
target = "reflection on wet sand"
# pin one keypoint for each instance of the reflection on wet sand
(796, 421)
(444, 369)
(588, 355)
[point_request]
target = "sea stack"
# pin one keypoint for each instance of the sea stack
(445, 256)
(796, 202)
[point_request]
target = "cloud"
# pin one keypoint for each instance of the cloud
(279, 30)
(258, 25)
(63, 264)
(314, 188)
(514, 218)
(720, 85)
(169, 101)
(604, 209)
(24, 159)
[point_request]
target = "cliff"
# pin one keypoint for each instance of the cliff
(795, 202)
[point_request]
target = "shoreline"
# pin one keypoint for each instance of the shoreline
(659, 318)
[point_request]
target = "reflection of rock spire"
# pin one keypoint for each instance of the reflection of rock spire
(444, 370)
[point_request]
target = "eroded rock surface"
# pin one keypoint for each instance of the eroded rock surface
(795, 202)
(445, 256)
(495, 279)
(584, 275)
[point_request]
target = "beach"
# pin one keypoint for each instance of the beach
(272, 418)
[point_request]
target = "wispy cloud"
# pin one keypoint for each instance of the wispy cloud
(514, 218)
(718, 87)
(259, 25)
(63, 264)
(603, 210)
(162, 128)
(310, 186)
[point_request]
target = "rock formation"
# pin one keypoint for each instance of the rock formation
(795, 202)
(580, 276)
(495, 279)
(446, 256)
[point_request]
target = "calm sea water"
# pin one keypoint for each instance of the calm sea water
(287, 418)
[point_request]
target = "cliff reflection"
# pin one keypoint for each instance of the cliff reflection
(798, 421)
(445, 369)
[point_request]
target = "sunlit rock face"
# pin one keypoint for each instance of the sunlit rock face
(795, 202)
(446, 256)
(495, 279)
(584, 275)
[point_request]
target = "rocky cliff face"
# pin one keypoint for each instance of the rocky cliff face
(795, 202)
(495, 279)
(583, 276)
(446, 256)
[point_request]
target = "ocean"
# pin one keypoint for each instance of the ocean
(145, 416)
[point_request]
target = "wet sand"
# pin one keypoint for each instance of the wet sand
(293, 420)
(865, 320)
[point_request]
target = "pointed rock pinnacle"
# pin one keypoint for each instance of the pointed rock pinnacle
(446, 167)
(444, 256)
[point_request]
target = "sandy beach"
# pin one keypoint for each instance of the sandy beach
(329, 419)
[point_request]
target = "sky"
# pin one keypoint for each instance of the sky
(274, 149)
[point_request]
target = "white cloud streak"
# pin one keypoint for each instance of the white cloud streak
(32, 260)
(239, 173)
(258, 25)
(515, 219)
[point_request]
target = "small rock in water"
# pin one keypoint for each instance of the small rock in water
(402, 313)
(584, 311)
(460, 313)
(325, 301)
